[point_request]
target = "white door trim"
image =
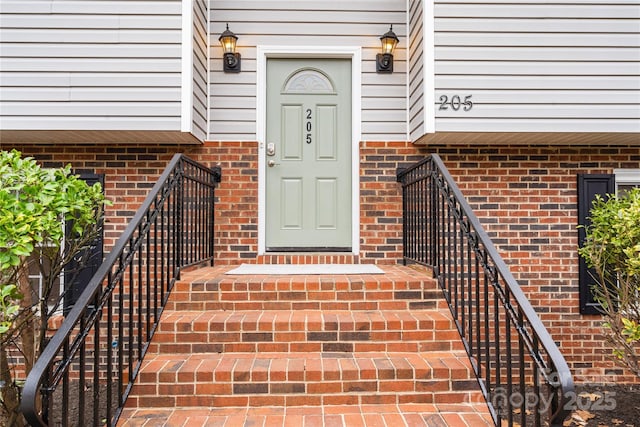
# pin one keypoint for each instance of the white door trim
(355, 54)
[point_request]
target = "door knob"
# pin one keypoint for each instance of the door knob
(271, 163)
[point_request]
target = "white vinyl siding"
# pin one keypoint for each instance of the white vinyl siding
(90, 65)
(308, 23)
(538, 66)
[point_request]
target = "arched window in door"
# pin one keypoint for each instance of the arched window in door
(308, 80)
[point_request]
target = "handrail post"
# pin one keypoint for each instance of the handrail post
(216, 178)
(433, 224)
(178, 233)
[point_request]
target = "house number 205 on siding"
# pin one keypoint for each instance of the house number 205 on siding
(308, 126)
(456, 102)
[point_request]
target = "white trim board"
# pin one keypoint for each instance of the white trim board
(428, 58)
(186, 89)
(627, 176)
(355, 54)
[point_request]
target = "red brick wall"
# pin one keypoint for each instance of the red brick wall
(131, 171)
(381, 198)
(525, 197)
(236, 198)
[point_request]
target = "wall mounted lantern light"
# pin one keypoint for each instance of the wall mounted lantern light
(231, 58)
(384, 60)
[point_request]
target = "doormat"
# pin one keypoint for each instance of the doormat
(307, 269)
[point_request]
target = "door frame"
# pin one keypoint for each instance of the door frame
(300, 52)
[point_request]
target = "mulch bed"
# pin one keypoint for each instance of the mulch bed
(606, 406)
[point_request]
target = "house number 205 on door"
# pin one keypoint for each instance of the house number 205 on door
(308, 125)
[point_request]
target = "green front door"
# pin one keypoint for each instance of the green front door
(308, 155)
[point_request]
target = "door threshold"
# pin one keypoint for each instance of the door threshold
(305, 269)
(305, 250)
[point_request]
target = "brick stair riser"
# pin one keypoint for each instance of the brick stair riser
(300, 293)
(196, 332)
(409, 379)
(323, 392)
(296, 300)
(218, 342)
(303, 305)
(303, 347)
(309, 387)
(291, 321)
(261, 288)
(303, 367)
(299, 399)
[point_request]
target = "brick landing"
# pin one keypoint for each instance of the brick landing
(370, 350)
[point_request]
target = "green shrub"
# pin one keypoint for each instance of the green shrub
(612, 249)
(35, 205)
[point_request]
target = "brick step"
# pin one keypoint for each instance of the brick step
(305, 331)
(240, 379)
(317, 342)
(211, 289)
(414, 415)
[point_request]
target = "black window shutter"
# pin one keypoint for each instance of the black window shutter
(76, 278)
(588, 187)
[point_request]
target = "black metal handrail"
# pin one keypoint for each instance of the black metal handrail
(88, 368)
(521, 371)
